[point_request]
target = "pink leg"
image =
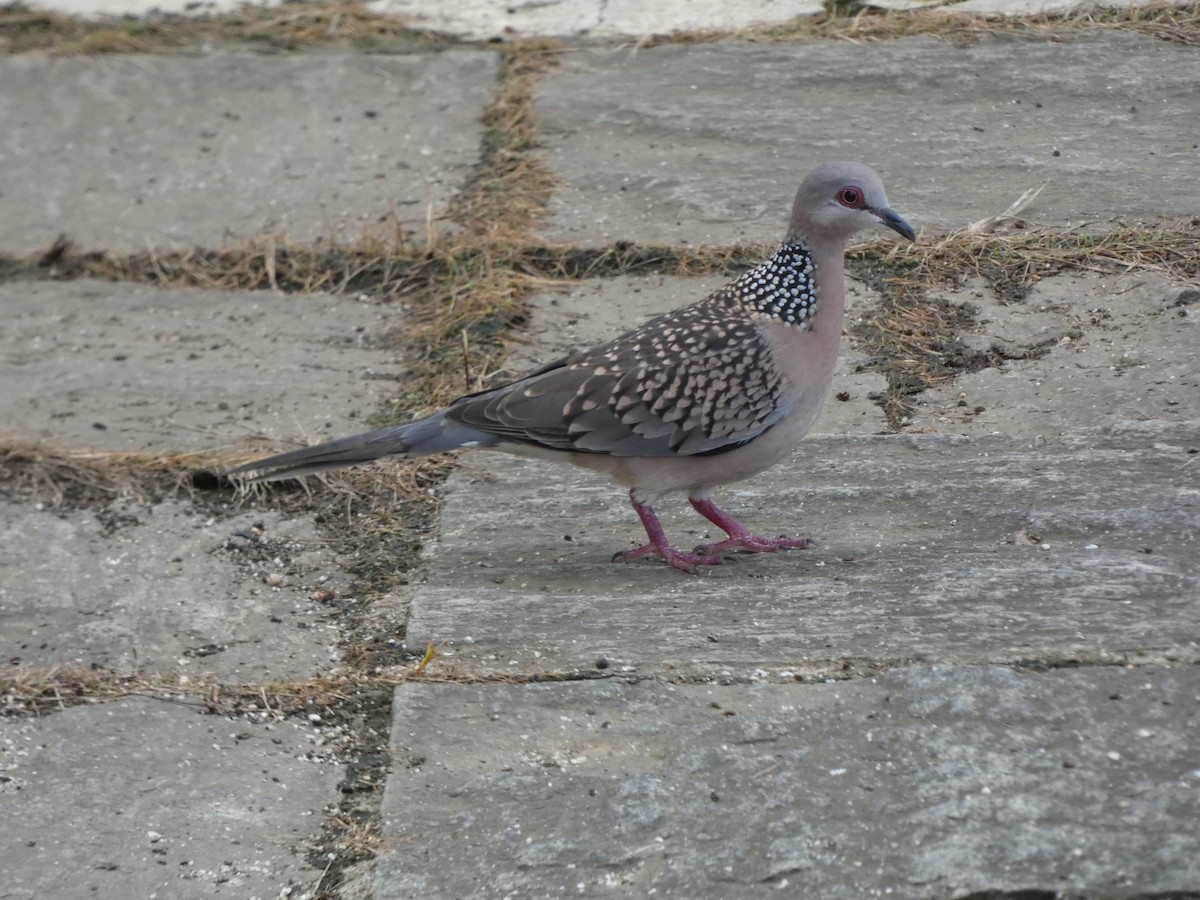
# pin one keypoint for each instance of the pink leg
(661, 546)
(740, 537)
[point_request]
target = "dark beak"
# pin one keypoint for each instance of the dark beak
(892, 220)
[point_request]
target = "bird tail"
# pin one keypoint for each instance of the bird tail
(423, 437)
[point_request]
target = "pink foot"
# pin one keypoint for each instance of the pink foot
(660, 546)
(753, 543)
(687, 562)
(740, 537)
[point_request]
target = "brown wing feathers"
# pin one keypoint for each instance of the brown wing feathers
(688, 382)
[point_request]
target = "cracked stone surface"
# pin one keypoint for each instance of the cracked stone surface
(929, 547)
(1075, 352)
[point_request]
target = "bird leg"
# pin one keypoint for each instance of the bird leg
(740, 537)
(661, 546)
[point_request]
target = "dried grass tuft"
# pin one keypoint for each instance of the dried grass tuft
(286, 28)
(510, 190)
(36, 691)
(913, 337)
(86, 477)
(860, 23)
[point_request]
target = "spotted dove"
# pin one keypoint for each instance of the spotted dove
(705, 395)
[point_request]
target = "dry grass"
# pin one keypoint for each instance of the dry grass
(1025, 258)
(289, 28)
(914, 338)
(35, 691)
(479, 289)
(856, 22)
(85, 477)
(511, 189)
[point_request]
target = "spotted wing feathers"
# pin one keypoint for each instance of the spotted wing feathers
(695, 381)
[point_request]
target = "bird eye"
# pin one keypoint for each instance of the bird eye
(851, 196)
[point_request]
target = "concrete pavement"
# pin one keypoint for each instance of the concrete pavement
(981, 681)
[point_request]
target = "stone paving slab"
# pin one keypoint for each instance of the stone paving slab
(128, 367)
(162, 589)
(596, 310)
(707, 143)
(930, 547)
(149, 798)
(123, 152)
(491, 20)
(91, 9)
(1080, 350)
(923, 782)
(1015, 8)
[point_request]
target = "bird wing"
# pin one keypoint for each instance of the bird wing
(692, 382)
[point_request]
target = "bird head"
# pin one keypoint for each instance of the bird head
(837, 199)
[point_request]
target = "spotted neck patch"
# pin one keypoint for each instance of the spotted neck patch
(784, 287)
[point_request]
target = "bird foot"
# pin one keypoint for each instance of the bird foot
(753, 543)
(687, 562)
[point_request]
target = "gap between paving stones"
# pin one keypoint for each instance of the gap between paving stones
(39, 692)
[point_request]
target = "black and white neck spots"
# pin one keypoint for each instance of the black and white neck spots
(784, 287)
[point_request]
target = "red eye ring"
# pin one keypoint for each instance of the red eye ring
(852, 196)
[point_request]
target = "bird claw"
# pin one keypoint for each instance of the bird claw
(739, 538)
(753, 543)
(687, 562)
(712, 554)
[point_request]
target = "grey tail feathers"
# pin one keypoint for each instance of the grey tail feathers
(423, 437)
